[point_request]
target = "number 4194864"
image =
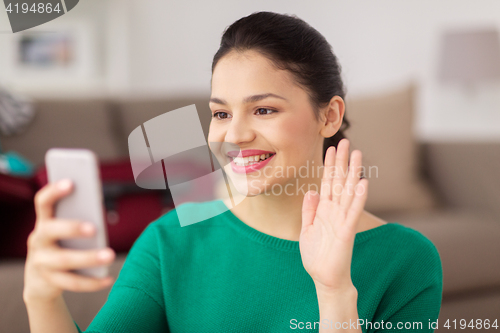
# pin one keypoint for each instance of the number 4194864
(38, 8)
(472, 324)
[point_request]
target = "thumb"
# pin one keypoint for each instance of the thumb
(309, 206)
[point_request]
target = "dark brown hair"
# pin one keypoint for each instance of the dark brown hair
(291, 44)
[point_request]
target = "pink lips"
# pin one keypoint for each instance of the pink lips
(246, 153)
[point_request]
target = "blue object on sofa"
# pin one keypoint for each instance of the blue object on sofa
(14, 164)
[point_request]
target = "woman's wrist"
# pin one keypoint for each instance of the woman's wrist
(329, 297)
(338, 308)
(347, 290)
(34, 298)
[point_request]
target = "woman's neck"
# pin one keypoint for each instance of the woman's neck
(277, 215)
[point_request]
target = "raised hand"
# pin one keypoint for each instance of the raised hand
(330, 219)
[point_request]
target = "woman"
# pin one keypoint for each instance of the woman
(281, 259)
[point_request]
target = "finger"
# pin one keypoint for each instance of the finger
(358, 203)
(341, 164)
(49, 232)
(67, 259)
(77, 282)
(46, 197)
(352, 180)
(328, 172)
(311, 201)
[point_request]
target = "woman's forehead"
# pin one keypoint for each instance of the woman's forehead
(251, 75)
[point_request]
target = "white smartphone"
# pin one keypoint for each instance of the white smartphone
(84, 203)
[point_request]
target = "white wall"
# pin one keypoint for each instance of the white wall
(166, 47)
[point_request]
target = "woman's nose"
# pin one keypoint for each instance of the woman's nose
(239, 131)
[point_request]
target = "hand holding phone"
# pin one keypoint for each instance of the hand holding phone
(84, 203)
(62, 253)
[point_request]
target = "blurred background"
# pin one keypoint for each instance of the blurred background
(423, 99)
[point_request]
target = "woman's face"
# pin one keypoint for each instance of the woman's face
(282, 126)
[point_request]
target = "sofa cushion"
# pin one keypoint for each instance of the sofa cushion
(382, 127)
(476, 306)
(466, 174)
(68, 123)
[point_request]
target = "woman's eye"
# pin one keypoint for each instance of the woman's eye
(221, 115)
(264, 111)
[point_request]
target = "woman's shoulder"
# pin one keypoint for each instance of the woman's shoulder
(413, 239)
(395, 231)
(395, 239)
(405, 247)
(398, 250)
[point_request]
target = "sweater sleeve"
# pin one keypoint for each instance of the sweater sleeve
(413, 302)
(417, 314)
(135, 302)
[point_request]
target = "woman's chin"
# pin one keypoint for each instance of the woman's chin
(247, 187)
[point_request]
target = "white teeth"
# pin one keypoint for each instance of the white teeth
(249, 160)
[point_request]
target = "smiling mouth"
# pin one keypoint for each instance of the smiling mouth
(249, 160)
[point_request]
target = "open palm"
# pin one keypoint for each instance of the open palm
(330, 219)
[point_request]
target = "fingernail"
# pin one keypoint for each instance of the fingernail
(64, 184)
(105, 254)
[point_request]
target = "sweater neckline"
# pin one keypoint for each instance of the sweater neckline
(285, 244)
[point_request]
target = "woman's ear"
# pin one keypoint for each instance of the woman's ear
(332, 117)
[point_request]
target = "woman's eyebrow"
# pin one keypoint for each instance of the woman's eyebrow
(249, 99)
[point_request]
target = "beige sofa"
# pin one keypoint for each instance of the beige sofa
(448, 191)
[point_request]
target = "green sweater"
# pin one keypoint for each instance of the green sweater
(221, 275)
